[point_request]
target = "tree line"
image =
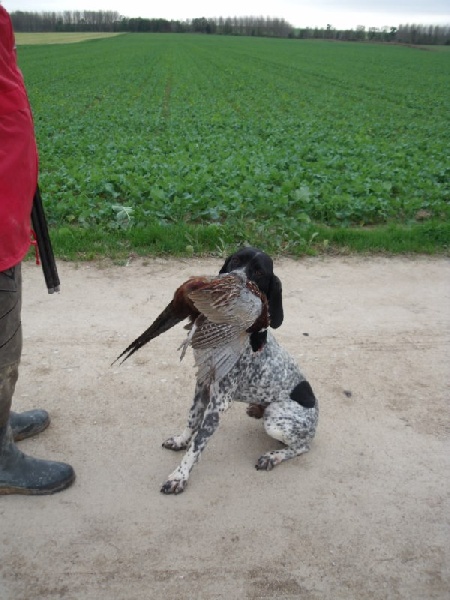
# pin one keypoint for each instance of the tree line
(111, 21)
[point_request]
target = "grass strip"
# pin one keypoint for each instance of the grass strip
(74, 243)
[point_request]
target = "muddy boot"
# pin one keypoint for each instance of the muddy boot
(28, 423)
(21, 474)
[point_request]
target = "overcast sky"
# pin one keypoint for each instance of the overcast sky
(302, 13)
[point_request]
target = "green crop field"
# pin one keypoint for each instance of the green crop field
(173, 143)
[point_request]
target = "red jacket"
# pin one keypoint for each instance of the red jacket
(18, 154)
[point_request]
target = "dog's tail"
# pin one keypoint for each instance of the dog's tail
(166, 320)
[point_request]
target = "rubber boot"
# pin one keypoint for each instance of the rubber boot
(19, 473)
(28, 423)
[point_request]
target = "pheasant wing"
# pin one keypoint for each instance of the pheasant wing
(217, 347)
(228, 299)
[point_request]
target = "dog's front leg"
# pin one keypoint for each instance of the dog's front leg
(196, 414)
(218, 403)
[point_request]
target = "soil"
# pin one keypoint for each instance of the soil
(364, 515)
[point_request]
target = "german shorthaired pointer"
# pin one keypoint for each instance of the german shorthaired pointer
(266, 377)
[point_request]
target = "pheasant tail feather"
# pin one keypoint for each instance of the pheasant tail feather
(165, 321)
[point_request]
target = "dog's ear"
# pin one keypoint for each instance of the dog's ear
(275, 299)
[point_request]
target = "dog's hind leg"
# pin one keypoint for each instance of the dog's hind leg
(293, 425)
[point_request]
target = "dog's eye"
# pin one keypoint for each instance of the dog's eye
(235, 262)
(257, 273)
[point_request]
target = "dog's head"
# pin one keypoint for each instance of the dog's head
(258, 267)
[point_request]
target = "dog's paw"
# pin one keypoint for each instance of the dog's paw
(177, 442)
(174, 486)
(256, 410)
(267, 462)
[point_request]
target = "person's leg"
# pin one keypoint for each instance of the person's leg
(19, 474)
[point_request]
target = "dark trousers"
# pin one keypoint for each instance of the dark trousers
(10, 336)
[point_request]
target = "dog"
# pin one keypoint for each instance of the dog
(266, 377)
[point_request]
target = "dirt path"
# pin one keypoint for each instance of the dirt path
(364, 515)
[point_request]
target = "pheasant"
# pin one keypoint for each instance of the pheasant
(223, 311)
